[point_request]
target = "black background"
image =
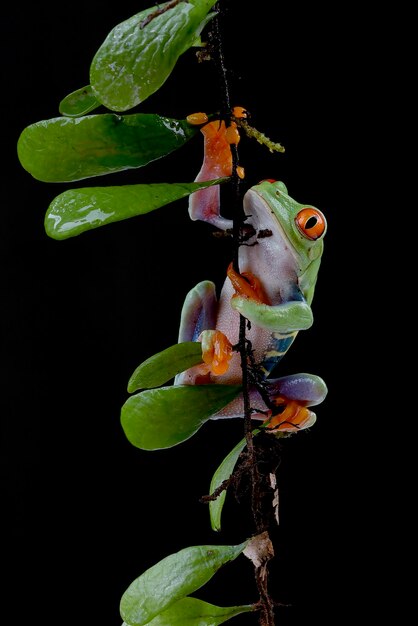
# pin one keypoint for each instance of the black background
(85, 511)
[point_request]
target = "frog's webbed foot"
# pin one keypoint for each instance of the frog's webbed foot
(216, 351)
(292, 395)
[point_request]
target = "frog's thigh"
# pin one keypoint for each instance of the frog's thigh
(308, 389)
(198, 312)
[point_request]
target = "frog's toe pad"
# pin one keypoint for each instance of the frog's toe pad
(294, 417)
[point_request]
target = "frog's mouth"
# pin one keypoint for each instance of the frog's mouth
(272, 246)
(264, 220)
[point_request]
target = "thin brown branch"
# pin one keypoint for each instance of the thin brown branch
(266, 604)
(255, 476)
(158, 12)
(250, 373)
(260, 551)
(217, 492)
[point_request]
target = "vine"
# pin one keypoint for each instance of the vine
(212, 372)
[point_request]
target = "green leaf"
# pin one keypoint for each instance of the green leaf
(223, 472)
(139, 54)
(194, 612)
(77, 210)
(64, 149)
(163, 366)
(79, 102)
(173, 578)
(164, 417)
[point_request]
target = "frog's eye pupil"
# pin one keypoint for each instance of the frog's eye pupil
(311, 223)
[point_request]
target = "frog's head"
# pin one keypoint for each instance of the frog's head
(302, 227)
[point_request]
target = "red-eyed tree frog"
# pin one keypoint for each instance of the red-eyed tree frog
(278, 268)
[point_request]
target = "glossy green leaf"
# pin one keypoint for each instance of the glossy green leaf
(79, 102)
(140, 53)
(64, 149)
(78, 210)
(163, 366)
(164, 417)
(173, 578)
(223, 472)
(194, 612)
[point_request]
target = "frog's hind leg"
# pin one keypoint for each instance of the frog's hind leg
(291, 394)
(198, 312)
(307, 389)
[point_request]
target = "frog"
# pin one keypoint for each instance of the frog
(273, 290)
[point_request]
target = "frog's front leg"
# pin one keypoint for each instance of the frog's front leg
(204, 204)
(292, 395)
(286, 317)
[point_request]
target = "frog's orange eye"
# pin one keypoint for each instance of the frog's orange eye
(311, 223)
(268, 180)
